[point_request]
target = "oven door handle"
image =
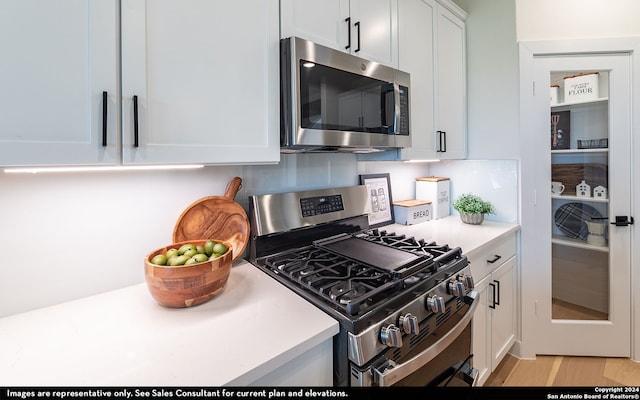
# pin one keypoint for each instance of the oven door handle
(390, 376)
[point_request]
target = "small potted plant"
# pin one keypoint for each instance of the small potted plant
(472, 208)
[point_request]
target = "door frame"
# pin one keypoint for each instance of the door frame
(530, 276)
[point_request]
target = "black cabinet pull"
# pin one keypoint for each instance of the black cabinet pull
(442, 142)
(104, 119)
(497, 299)
(135, 121)
(348, 21)
(357, 25)
(494, 259)
(493, 299)
(623, 220)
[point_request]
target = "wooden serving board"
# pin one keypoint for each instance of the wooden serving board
(216, 217)
(572, 174)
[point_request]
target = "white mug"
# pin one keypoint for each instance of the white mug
(557, 188)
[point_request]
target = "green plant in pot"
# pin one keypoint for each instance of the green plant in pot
(472, 208)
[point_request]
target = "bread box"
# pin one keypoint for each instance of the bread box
(436, 190)
(409, 212)
(580, 87)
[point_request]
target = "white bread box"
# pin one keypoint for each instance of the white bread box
(411, 212)
(580, 87)
(436, 190)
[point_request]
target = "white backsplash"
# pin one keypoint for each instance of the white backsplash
(493, 180)
(77, 234)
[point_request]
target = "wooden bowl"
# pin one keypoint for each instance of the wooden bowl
(187, 285)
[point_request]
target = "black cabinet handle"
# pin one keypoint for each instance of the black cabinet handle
(497, 299)
(623, 220)
(494, 259)
(348, 21)
(442, 145)
(104, 119)
(135, 121)
(444, 141)
(357, 25)
(493, 300)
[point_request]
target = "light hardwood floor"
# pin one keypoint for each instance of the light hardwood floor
(566, 371)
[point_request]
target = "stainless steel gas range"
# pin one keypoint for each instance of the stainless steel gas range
(404, 305)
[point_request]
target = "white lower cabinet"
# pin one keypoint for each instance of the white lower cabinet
(494, 323)
(311, 368)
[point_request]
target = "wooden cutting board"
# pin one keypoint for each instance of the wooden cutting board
(216, 217)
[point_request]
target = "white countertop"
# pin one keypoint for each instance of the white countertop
(124, 338)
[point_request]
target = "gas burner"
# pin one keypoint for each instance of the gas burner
(346, 291)
(416, 246)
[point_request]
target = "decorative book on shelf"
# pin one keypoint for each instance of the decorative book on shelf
(573, 174)
(560, 130)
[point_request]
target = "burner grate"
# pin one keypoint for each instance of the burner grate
(354, 278)
(352, 286)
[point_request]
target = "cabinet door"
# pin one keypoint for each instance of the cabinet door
(57, 60)
(205, 76)
(323, 22)
(450, 86)
(416, 20)
(374, 30)
(503, 307)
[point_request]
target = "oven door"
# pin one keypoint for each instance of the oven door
(441, 358)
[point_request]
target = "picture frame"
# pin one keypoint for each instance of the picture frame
(560, 130)
(379, 189)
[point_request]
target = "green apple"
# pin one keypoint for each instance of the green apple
(190, 253)
(200, 258)
(208, 247)
(171, 253)
(179, 260)
(186, 247)
(159, 259)
(219, 248)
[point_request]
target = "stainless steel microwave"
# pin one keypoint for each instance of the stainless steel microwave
(334, 101)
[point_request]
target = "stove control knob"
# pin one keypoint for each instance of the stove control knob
(390, 335)
(409, 323)
(456, 288)
(435, 304)
(468, 281)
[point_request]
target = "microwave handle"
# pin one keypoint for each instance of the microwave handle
(388, 377)
(391, 126)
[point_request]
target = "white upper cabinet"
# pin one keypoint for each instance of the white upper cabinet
(57, 60)
(432, 47)
(450, 86)
(365, 28)
(205, 77)
(416, 19)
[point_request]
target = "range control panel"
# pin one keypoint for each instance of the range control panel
(311, 206)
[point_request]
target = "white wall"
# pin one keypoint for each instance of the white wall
(492, 79)
(68, 235)
(572, 19)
